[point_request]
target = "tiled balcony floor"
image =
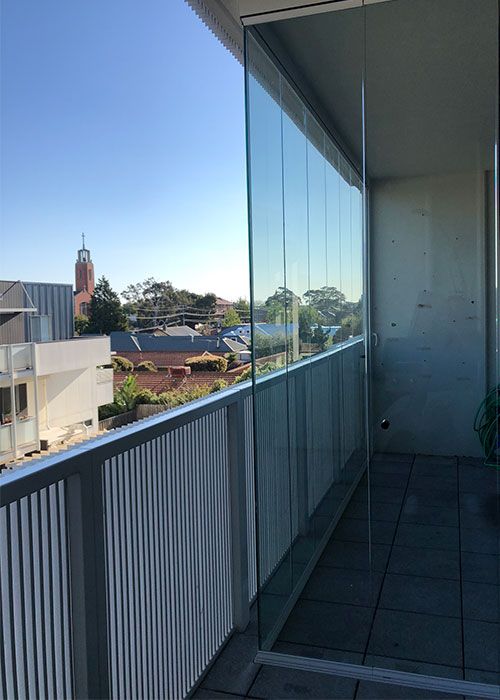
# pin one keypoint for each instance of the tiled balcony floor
(430, 604)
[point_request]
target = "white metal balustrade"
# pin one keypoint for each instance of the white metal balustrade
(127, 561)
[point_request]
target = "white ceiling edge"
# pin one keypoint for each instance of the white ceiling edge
(221, 17)
(261, 11)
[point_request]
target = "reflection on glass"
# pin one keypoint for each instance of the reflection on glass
(306, 242)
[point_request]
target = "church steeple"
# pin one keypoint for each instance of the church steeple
(83, 253)
(84, 270)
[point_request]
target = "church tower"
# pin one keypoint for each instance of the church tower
(84, 270)
(84, 280)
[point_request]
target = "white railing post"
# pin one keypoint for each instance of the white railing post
(239, 536)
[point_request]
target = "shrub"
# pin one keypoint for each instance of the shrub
(125, 395)
(147, 396)
(121, 364)
(146, 366)
(231, 357)
(108, 411)
(246, 374)
(218, 385)
(207, 363)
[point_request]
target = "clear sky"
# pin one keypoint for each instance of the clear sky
(125, 120)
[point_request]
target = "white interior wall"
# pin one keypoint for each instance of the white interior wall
(428, 311)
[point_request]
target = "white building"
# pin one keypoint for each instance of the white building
(51, 391)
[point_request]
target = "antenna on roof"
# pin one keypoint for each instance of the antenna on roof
(83, 241)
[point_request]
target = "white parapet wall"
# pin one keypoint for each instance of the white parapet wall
(71, 381)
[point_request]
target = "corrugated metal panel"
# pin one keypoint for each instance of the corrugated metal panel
(168, 558)
(35, 657)
(56, 301)
(11, 325)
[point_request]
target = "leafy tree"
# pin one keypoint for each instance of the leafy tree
(329, 301)
(81, 324)
(125, 397)
(308, 318)
(231, 318)
(242, 306)
(106, 313)
(352, 325)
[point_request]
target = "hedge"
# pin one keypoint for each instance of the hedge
(146, 366)
(207, 363)
(121, 364)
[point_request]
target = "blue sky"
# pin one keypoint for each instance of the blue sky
(125, 120)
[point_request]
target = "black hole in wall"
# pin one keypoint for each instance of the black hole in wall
(385, 424)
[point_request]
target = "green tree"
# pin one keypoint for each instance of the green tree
(308, 318)
(329, 301)
(106, 313)
(242, 306)
(231, 318)
(81, 324)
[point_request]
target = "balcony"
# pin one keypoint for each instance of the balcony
(167, 505)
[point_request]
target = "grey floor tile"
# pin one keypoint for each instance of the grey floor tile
(393, 457)
(234, 670)
(472, 674)
(416, 636)
(414, 511)
(422, 561)
(385, 467)
(479, 511)
(434, 596)
(481, 645)
(355, 555)
(348, 586)
(331, 625)
(382, 691)
(483, 568)
(433, 469)
(435, 459)
(438, 498)
(379, 494)
(388, 512)
(274, 682)
(480, 540)
(393, 481)
(431, 536)
(351, 530)
(433, 483)
(481, 601)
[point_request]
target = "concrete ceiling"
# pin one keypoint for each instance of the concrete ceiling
(431, 80)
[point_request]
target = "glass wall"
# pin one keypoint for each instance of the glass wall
(384, 558)
(308, 331)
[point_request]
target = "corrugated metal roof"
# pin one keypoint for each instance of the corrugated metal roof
(121, 341)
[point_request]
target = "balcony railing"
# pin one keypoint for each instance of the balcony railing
(22, 357)
(126, 562)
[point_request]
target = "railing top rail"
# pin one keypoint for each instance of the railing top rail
(21, 482)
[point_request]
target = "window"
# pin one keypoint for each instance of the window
(41, 329)
(21, 399)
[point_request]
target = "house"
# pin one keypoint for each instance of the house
(51, 384)
(168, 351)
(222, 305)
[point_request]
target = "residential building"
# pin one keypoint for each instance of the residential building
(84, 280)
(222, 305)
(35, 311)
(354, 491)
(51, 384)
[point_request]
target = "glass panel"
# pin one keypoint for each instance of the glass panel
(5, 438)
(304, 449)
(270, 330)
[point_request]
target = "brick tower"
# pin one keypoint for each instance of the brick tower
(84, 280)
